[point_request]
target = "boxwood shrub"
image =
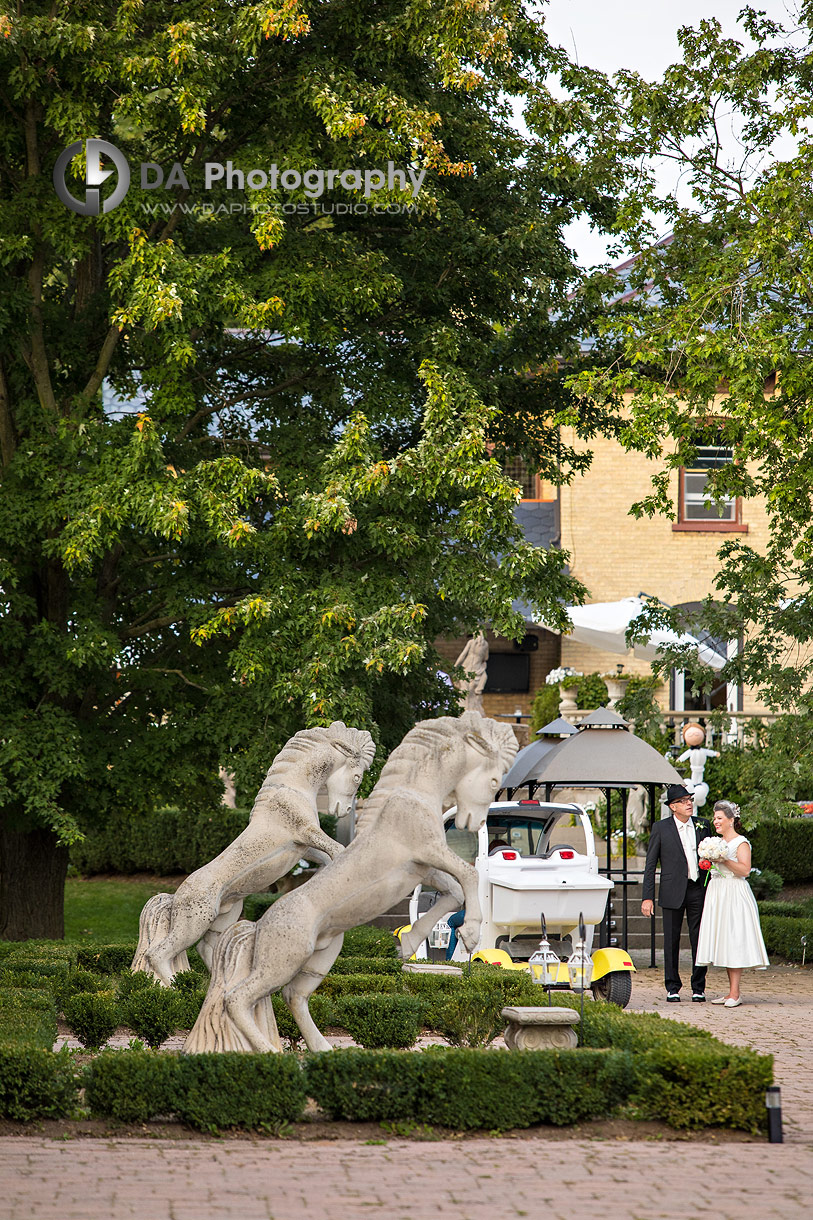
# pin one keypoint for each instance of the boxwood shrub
(106, 959)
(381, 1020)
(36, 1083)
(469, 1089)
(784, 845)
(131, 1086)
(366, 941)
(366, 965)
(208, 1092)
(152, 1013)
(93, 1016)
(27, 1017)
(237, 1090)
(358, 984)
(784, 936)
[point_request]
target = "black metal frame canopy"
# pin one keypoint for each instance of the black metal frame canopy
(602, 753)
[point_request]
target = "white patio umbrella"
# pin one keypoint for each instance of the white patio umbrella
(604, 625)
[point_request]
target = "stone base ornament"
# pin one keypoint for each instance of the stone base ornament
(538, 1029)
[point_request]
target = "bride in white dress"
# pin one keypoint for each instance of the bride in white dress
(730, 934)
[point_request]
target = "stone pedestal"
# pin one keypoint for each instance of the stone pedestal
(537, 1029)
(567, 703)
(431, 968)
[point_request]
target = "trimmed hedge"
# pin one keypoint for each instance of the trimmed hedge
(36, 1083)
(209, 1092)
(165, 842)
(785, 846)
(27, 1017)
(106, 959)
(360, 984)
(695, 1083)
(470, 1089)
(784, 936)
(788, 910)
(366, 941)
(366, 965)
(131, 1086)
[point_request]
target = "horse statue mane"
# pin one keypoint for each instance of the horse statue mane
(354, 743)
(472, 728)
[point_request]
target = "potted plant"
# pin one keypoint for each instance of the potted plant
(565, 677)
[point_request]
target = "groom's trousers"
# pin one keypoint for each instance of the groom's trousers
(692, 908)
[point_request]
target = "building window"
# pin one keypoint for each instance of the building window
(508, 673)
(533, 487)
(695, 510)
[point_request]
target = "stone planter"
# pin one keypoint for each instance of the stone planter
(616, 688)
(567, 703)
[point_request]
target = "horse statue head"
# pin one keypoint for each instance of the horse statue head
(490, 749)
(357, 749)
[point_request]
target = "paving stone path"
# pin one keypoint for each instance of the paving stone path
(471, 1179)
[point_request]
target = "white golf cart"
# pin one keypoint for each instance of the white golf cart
(525, 872)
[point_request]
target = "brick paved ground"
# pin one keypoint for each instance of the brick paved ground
(633, 1179)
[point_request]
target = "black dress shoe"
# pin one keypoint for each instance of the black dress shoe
(698, 998)
(673, 998)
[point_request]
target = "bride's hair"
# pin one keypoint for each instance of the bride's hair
(731, 811)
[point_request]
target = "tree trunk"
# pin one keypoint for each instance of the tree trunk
(32, 884)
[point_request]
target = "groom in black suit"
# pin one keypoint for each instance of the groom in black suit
(673, 842)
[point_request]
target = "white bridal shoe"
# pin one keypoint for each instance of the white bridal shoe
(723, 999)
(732, 1003)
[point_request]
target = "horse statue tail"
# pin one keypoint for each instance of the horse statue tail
(153, 927)
(214, 1029)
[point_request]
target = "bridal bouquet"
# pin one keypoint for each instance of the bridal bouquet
(708, 851)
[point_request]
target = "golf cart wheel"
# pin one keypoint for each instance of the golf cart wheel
(614, 988)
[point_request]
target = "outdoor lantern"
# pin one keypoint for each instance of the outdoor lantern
(579, 964)
(546, 960)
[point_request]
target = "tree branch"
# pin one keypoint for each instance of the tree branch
(237, 398)
(103, 363)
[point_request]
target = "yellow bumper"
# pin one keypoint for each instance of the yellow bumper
(608, 961)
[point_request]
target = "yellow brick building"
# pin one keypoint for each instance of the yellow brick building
(616, 556)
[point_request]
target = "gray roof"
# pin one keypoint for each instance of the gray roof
(538, 521)
(604, 717)
(557, 728)
(597, 756)
(527, 763)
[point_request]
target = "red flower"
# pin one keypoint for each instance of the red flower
(704, 864)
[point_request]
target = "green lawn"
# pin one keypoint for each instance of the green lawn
(105, 912)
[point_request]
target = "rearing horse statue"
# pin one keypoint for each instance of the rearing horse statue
(283, 828)
(400, 842)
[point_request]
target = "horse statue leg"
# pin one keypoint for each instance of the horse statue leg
(213, 1030)
(282, 947)
(449, 900)
(153, 927)
(302, 986)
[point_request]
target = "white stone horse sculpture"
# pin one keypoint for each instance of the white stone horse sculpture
(400, 842)
(283, 828)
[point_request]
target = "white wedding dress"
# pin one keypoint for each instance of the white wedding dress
(730, 934)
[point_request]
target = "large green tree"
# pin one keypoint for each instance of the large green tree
(308, 490)
(717, 345)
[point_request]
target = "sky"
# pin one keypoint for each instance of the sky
(641, 36)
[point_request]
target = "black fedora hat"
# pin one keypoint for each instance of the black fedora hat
(675, 791)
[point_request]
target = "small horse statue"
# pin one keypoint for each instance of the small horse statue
(283, 828)
(400, 842)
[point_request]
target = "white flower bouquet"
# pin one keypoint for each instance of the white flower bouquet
(562, 674)
(712, 849)
(709, 851)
